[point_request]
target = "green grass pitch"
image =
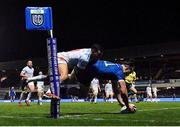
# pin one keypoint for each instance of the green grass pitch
(82, 114)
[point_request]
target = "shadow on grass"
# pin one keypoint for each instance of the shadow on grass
(101, 113)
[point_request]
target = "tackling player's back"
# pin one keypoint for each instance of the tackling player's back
(106, 70)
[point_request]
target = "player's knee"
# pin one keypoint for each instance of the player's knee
(40, 93)
(135, 91)
(64, 77)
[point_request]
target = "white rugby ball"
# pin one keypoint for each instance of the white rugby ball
(132, 105)
(125, 111)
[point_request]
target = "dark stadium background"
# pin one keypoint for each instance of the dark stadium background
(147, 32)
(78, 24)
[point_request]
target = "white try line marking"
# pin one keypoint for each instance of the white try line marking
(159, 109)
(20, 117)
(85, 116)
(136, 120)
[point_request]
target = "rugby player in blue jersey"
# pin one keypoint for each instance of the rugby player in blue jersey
(110, 71)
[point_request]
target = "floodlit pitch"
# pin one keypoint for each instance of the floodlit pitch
(161, 113)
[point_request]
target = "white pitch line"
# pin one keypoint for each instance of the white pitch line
(85, 116)
(134, 120)
(17, 117)
(159, 109)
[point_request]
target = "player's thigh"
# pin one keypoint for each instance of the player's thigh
(31, 86)
(155, 94)
(40, 93)
(40, 87)
(149, 95)
(63, 71)
(111, 94)
(133, 90)
(95, 92)
(107, 94)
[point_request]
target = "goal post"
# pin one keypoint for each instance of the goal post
(40, 18)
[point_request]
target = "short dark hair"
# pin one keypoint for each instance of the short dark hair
(129, 62)
(96, 47)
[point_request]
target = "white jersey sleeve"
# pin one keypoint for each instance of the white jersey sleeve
(29, 72)
(84, 60)
(24, 70)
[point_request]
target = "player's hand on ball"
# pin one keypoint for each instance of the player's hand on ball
(132, 108)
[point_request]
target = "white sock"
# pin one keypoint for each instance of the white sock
(95, 99)
(111, 99)
(40, 96)
(135, 99)
(21, 96)
(29, 96)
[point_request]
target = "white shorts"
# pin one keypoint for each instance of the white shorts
(61, 60)
(70, 64)
(155, 94)
(30, 85)
(109, 92)
(95, 91)
(149, 94)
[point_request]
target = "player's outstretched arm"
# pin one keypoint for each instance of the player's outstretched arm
(117, 94)
(124, 94)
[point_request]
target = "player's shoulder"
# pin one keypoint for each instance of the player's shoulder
(25, 68)
(119, 67)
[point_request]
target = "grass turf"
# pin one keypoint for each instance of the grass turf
(82, 114)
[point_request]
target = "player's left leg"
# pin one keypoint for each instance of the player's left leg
(11, 98)
(95, 93)
(14, 98)
(107, 96)
(111, 97)
(95, 97)
(40, 95)
(155, 96)
(31, 88)
(35, 78)
(21, 97)
(63, 71)
(149, 96)
(133, 89)
(27, 101)
(23, 85)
